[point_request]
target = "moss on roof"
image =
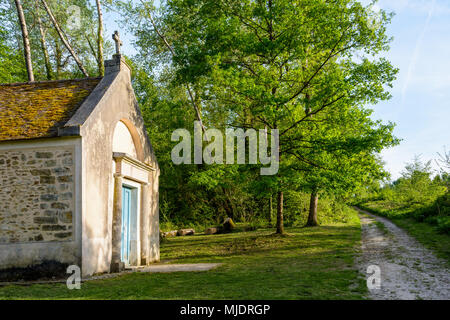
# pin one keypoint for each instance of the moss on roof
(37, 110)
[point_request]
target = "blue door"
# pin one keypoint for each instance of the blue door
(126, 211)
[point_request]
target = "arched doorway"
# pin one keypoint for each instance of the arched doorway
(131, 198)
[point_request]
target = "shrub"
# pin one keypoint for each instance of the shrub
(443, 224)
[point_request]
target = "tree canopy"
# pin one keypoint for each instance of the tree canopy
(306, 68)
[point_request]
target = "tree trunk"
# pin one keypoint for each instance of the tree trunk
(312, 217)
(26, 41)
(280, 224)
(63, 39)
(227, 204)
(58, 59)
(48, 66)
(100, 60)
(188, 87)
(270, 209)
(93, 51)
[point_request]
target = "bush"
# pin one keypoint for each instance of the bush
(443, 224)
(414, 195)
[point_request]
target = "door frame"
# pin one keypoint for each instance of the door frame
(125, 243)
(134, 222)
(137, 175)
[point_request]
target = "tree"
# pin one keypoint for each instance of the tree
(100, 59)
(415, 187)
(63, 38)
(78, 22)
(42, 31)
(194, 194)
(443, 163)
(278, 63)
(12, 64)
(26, 41)
(343, 154)
(168, 46)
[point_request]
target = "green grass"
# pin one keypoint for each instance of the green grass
(425, 233)
(307, 263)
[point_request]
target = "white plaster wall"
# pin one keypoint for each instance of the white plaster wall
(123, 141)
(97, 133)
(153, 236)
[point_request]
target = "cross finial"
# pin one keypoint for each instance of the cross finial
(116, 38)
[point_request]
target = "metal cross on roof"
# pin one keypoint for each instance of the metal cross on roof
(116, 38)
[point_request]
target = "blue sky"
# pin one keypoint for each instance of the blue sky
(421, 94)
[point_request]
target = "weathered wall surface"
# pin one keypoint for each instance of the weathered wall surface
(153, 254)
(116, 102)
(37, 194)
(39, 202)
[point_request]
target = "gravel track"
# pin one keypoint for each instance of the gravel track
(409, 271)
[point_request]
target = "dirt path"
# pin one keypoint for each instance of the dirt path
(408, 270)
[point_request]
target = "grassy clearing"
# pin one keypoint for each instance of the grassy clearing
(425, 233)
(307, 263)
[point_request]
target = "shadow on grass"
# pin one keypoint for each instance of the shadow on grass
(308, 263)
(236, 245)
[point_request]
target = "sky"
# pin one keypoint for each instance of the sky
(420, 105)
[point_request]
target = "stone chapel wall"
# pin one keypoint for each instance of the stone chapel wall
(37, 197)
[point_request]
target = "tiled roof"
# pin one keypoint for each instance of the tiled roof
(38, 109)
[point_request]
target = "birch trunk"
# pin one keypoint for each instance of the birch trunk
(26, 41)
(48, 66)
(58, 59)
(100, 59)
(63, 39)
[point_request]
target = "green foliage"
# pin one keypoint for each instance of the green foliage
(274, 64)
(438, 213)
(12, 65)
(286, 65)
(82, 37)
(415, 187)
(330, 209)
(415, 194)
(190, 195)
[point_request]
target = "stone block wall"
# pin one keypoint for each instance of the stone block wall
(37, 195)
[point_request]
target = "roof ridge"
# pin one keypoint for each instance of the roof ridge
(48, 81)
